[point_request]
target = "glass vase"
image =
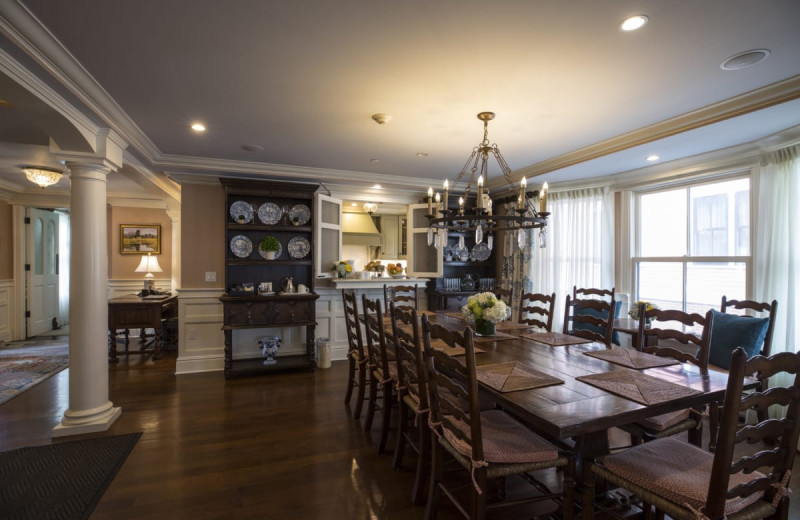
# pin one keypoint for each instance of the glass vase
(484, 327)
(341, 271)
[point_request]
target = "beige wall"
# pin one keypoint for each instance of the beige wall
(6, 250)
(202, 235)
(122, 267)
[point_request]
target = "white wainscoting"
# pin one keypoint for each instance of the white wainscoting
(201, 343)
(6, 310)
(117, 288)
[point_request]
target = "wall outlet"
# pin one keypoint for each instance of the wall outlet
(192, 334)
(211, 276)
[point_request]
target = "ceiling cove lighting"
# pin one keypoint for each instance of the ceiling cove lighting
(44, 177)
(198, 127)
(479, 219)
(633, 22)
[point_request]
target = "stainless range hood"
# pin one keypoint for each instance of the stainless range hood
(359, 229)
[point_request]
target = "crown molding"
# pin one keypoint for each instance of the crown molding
(159, 180)
(135, 201)
(770, 95)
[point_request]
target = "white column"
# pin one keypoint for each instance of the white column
(89, 408)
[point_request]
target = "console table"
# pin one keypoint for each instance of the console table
(133, 312)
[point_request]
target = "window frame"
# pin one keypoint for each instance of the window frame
(686, 259)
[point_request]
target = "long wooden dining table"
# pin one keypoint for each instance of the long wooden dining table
(575, 410)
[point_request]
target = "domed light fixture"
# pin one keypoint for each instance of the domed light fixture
(44, 177)
(370, 207)
(479, 219)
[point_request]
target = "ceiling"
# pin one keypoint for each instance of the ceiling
(575, 97)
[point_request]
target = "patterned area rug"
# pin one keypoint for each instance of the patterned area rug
(24, 364)
(62, 481)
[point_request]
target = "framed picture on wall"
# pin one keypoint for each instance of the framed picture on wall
(135, 239)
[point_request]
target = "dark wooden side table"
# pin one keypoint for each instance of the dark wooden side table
(133, 312)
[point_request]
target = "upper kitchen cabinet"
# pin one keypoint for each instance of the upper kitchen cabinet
(328, 247)
(424, 258)
(393, 237)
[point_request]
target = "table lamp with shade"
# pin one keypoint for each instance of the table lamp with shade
(149, 265)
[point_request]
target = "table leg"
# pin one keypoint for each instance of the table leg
(157, 352)
(112, 347)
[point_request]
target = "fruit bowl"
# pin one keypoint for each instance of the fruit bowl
(398, 276)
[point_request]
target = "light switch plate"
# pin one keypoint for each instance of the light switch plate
(211, 276)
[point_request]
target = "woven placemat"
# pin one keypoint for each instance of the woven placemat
(555, 339)
(631, 358)
(454, 315)
(638, 387)
(513, 376)
(498, 336)
(441, 346)
(510, 325)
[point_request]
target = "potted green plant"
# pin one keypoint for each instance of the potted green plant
(295, 221)
(270, 246)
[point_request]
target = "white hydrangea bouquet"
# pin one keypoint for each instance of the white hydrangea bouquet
(484, 310)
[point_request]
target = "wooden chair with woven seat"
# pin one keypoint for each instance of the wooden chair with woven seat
(356, 353)
(591, 319)
(507, 295)
(382, 371)
(486, 444)
(686, 347)
(412, 394)
(751, 331)
(536, 310)
(688, 483)
(400, 295)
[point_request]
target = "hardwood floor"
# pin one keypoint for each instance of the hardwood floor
(281, 446)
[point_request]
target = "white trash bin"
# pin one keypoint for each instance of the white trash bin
(323, 353)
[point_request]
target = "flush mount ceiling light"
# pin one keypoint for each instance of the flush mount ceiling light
(370, 207)
(44, 177)
(633, 22)
(480, 219)
(381, 118)
(745, 59)
(198, 127)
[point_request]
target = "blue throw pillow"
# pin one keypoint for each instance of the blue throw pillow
(588, 311)
(730, 331)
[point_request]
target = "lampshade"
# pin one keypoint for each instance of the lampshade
(149, 265)
(42, 176)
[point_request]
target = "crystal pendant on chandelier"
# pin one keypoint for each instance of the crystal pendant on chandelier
(490, 241)
(542, 239)
(436, 241)
(430, 236)
(478, 234)
(461, 242)
(521, 238)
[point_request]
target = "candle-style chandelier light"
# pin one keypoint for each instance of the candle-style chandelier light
(480, 218)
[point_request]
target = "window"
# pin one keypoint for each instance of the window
(693, 245)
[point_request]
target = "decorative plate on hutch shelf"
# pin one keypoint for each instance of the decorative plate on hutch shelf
(241, 208)
(241, 246)
(269, 213)
(301, 213)
(299, 247)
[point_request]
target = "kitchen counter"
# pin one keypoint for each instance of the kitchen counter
(373, 283)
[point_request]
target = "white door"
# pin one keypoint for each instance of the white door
(43, 270)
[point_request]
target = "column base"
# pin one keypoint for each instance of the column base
(87, 421)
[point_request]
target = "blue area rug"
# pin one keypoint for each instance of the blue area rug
(24, 364)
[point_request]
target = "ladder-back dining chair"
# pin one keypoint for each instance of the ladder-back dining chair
(591, 319)
(736, 482)
(684, 337)
(356, 353)
(536, 310)
(382, 372)
(412, 394)
(507, 295)
(400, 295)
(487, 444)
(592, 292)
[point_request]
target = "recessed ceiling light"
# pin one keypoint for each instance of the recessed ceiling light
(374, 160)
(633, 22)
(653, 157)
(252, 148)
(376, 187)
(745, 59)
(422, 154)
(198, 127)
(354, 204)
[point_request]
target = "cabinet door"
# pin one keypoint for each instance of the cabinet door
(328, 246)
(423, 260)
(389, 237)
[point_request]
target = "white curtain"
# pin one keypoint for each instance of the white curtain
(63, 267)
(580, 246)
(776, 252)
